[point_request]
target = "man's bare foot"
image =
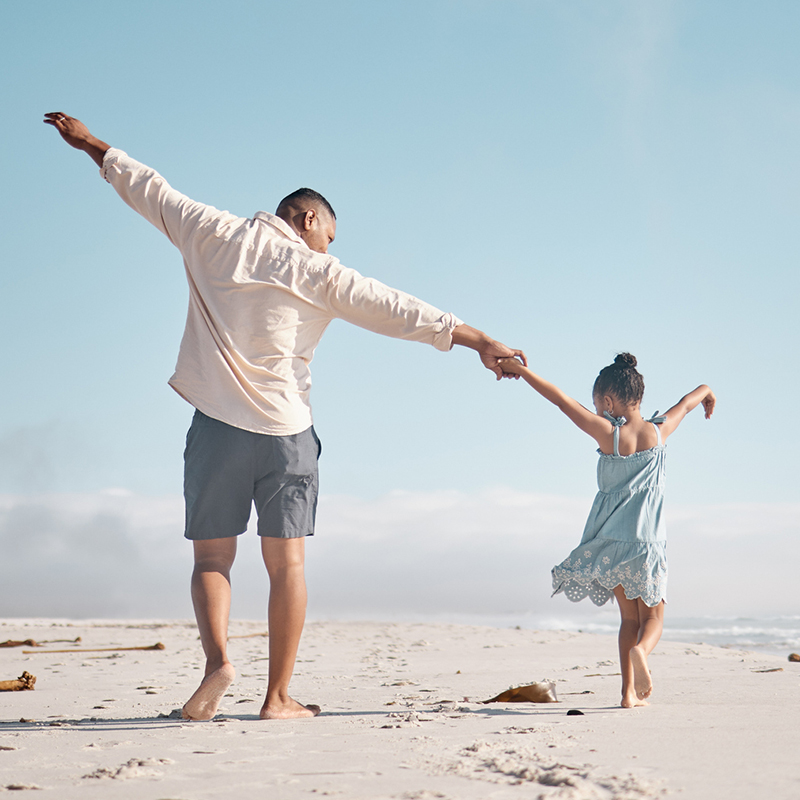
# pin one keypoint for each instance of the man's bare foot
(641, 674)
(290, 709)
(203, 704)
(630, 700)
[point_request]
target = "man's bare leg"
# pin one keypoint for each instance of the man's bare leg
(211, 595)
(285, 561)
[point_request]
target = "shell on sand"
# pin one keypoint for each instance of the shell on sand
(542, 692)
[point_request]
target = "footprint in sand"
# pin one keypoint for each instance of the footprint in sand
(133, 768)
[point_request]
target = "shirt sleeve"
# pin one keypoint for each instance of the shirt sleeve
(147, 193)
(372, 305)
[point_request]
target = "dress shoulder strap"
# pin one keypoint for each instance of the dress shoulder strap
(656, 421)
(617, 422)
(658, 433)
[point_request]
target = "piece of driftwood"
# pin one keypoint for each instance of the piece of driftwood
(56, 641)
(542, 692)
(23, 683)
(156, 646)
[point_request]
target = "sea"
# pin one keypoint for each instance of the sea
(774, 635)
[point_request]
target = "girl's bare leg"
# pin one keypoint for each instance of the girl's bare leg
(651, 624)
(628, 639)
(211, 595)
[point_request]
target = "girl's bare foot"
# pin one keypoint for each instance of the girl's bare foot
(641, 674)
(203, 704)
(288, 709)
(630, 700)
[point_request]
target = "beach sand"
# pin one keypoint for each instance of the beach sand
(401, 717)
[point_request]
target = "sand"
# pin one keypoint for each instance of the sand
(401, 718)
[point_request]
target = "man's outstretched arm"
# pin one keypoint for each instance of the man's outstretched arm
(178, 217)
(489, 350)
(77, 135)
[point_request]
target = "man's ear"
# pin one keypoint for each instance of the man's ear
(309, 218)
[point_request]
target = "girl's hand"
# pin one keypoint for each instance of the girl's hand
(709, 401)
(702, 395)
(512, 368)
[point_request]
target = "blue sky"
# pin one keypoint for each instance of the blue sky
(574, 178)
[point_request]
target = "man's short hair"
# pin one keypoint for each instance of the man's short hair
(308, 196)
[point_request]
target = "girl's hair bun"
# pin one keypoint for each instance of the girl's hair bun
(624, 361)
(620, 379)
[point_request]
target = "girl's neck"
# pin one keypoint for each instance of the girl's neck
(631, 413)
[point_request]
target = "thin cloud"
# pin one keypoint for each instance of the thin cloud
(436, 554)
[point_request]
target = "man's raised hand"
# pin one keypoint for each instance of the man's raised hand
(72, 130)
(77, 135)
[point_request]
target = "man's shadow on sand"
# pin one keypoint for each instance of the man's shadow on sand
(547, 711)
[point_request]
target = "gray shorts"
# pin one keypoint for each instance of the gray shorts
(227, 469)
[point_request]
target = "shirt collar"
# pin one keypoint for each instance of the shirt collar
(281, 225)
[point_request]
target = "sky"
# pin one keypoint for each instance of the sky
(574, 178)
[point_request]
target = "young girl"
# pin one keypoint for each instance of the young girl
(623, 549)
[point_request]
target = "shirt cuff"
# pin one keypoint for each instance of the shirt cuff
(443, 338)
(111, 157)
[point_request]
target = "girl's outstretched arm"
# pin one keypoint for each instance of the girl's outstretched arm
(588, 421)
(674, 417)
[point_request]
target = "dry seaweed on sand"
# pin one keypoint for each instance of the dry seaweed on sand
(156, 646)
(25, 682)
(34, 643)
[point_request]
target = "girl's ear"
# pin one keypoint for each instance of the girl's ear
(608, 403)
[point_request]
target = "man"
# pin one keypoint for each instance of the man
(261, 293)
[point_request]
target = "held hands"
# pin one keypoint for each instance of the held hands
(511, 367)
(490, 351)
(502, 360)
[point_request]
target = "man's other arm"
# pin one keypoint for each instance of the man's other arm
(371, 304)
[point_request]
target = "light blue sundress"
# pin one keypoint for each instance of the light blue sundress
(624, 541)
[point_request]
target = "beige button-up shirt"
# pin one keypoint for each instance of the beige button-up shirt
(259, 302)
